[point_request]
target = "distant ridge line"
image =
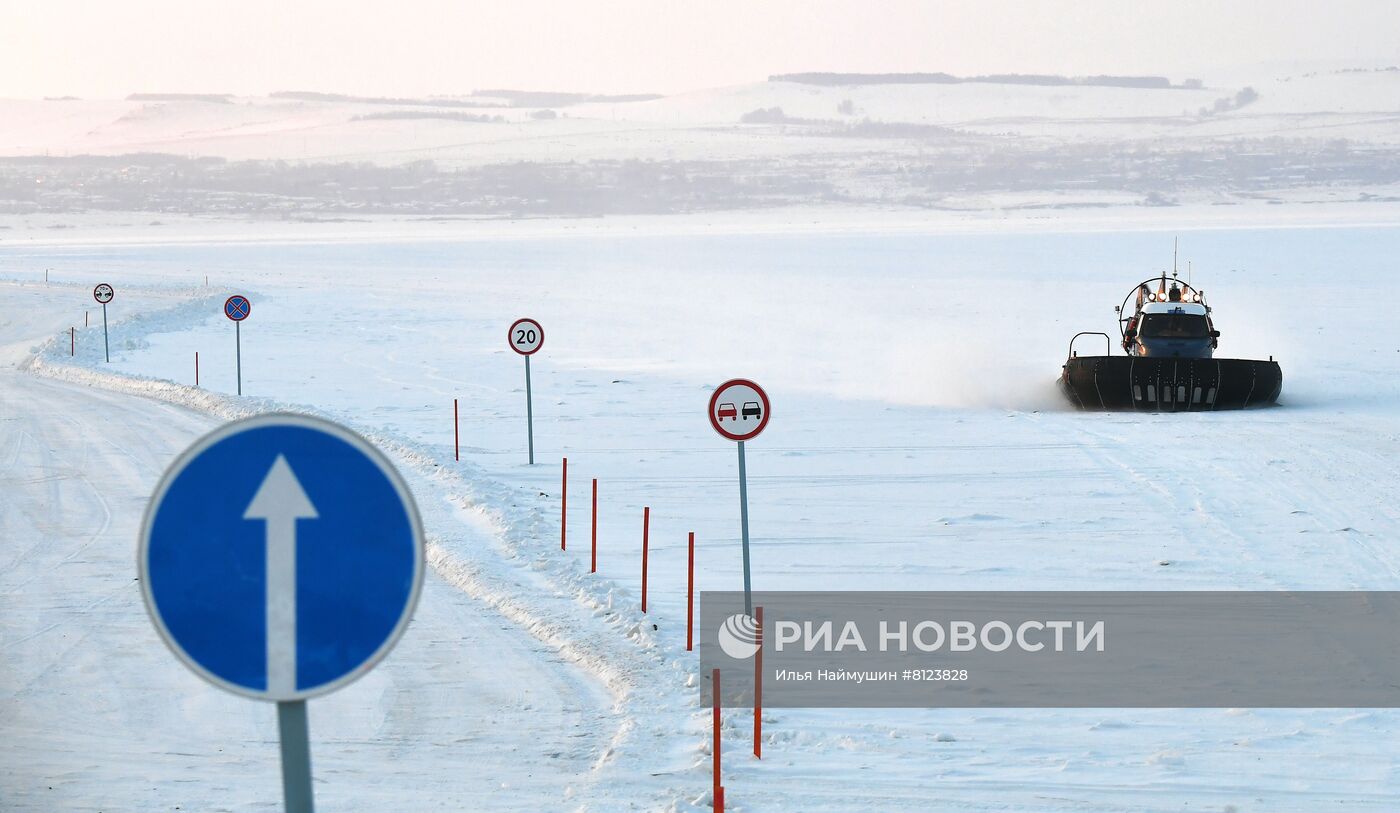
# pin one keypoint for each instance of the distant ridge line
(213, 98)
(481, 98)
(827, 78)
(316, 96)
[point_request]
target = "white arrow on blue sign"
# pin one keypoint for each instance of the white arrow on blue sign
(281, 557)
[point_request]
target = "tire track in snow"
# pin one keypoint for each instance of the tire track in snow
(1216, 495)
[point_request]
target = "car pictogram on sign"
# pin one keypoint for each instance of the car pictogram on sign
(728, 411)
(752, 410)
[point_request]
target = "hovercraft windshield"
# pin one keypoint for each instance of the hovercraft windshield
(1175, 325)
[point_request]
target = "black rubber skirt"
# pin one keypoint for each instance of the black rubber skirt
(1170, 384)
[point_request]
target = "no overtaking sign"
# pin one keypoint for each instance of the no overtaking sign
(739, 409)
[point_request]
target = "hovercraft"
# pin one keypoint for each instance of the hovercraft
(1169, 365)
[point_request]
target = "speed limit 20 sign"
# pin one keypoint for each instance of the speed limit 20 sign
(526, 336)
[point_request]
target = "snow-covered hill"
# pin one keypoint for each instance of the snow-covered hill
(1352, 100)
(1285, 135)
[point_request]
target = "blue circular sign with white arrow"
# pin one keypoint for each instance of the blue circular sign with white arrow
(281, 557)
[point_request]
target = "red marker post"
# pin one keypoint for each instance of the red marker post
(456, 433)
(646, 525)
(690, 595)
(758, 686)
(564, 508)
(196, 368)
(72, 341)
(714, 690)
(593, 568)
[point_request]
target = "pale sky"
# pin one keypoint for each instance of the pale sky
(109, 48)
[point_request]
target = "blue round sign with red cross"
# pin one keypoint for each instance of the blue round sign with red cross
(237, 307)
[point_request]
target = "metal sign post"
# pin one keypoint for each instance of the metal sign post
(237, 308)
(745, 406)
(529, 413)
(294, 733)
(281, 557)
(104, 293)
(744, 527)
(526, 337)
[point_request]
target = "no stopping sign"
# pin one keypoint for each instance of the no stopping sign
(237, 307)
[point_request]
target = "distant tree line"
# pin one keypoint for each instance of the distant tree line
(946, 169)
(1246, 96)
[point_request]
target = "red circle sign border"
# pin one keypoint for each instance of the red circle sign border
(511, 330)
(246, 313)
(762, 396)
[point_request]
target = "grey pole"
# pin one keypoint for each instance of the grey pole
(238, 353)
(744, 523)
(106, 348)
(529, 411)
(296, 756)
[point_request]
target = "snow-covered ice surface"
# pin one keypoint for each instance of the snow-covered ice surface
(916, 443)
